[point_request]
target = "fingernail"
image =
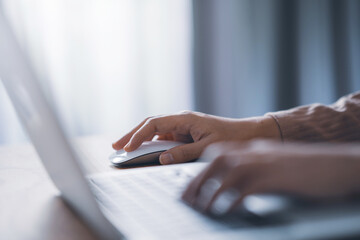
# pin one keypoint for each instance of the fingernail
(166, 158)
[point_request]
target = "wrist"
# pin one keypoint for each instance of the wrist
(267, 128)
(255, 127)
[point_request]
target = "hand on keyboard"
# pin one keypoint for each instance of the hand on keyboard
(309, 170)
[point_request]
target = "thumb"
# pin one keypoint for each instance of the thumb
(183, 153)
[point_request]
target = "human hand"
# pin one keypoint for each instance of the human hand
(238, 170)
(198, 130)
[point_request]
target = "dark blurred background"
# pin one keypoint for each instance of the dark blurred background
(106, 65)
(265, 55)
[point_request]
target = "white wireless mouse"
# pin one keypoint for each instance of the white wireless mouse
(147, 153)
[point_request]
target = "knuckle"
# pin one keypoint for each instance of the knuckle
(222, 163)
(185, 112)
(220, 160)
(151, 121)
(148, 118)
(137, 137)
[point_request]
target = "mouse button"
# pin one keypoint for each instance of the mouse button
(146, 148)
(119, 158)
(159, 145)
(116, 154)
(165, 144)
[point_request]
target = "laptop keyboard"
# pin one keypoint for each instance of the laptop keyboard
(150, 201)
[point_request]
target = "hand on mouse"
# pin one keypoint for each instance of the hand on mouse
(198, 130)
(315, 171)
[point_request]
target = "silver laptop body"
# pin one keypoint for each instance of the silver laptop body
(128, 203)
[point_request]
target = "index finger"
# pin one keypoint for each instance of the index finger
(119, 144)
(158, 125)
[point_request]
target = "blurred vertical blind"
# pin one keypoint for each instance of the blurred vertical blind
(105, 65)
(255, 56)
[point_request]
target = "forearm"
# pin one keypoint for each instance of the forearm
(339, 122)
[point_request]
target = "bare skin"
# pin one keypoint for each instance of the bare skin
(198, 130)
(314, 171)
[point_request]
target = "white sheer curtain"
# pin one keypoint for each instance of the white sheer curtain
(105, 65)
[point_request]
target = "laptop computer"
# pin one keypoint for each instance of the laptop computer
(136, 203)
